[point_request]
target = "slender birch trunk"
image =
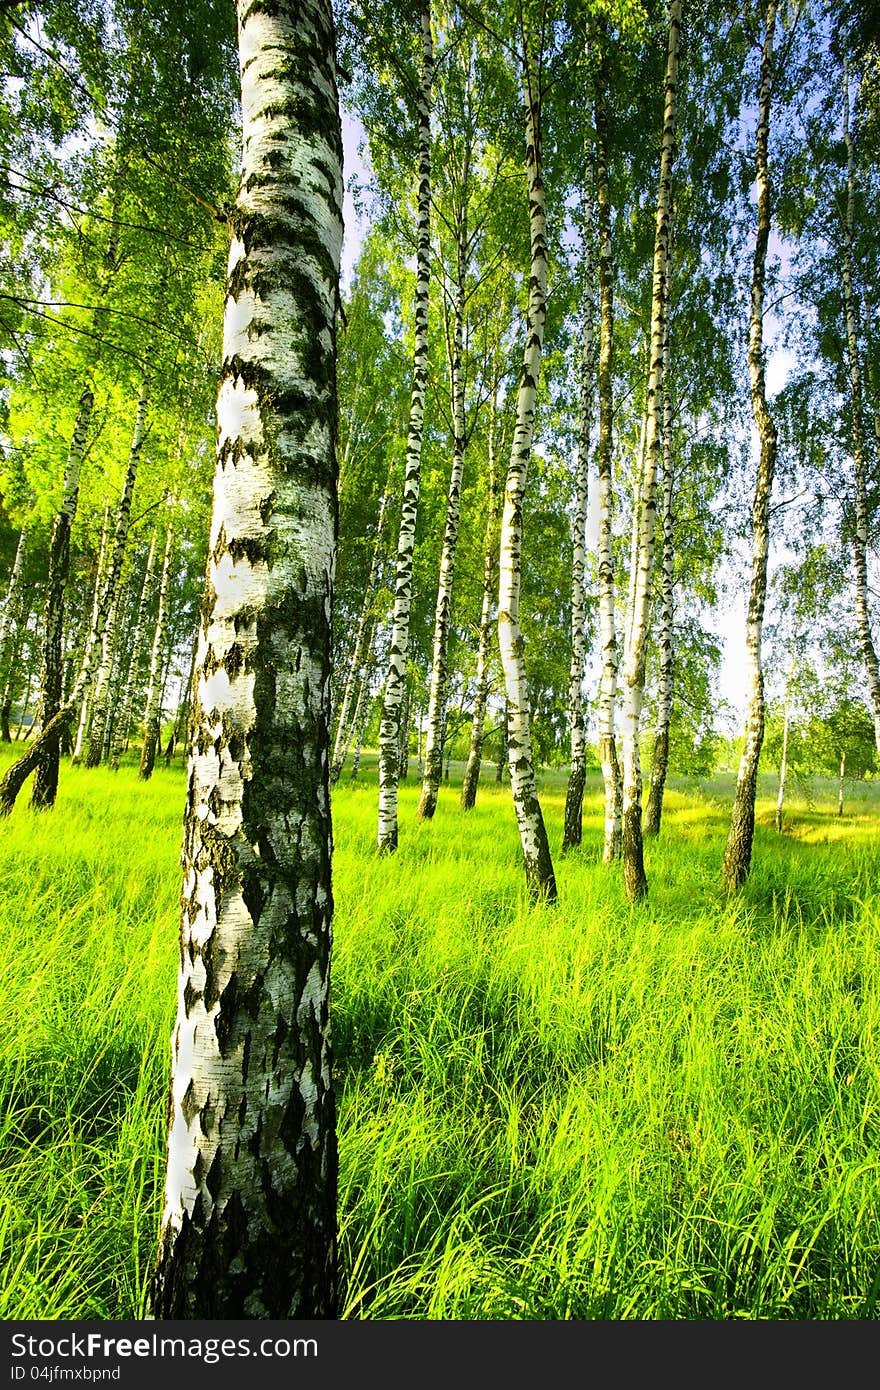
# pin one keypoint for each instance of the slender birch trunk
(442, 611)
(85, 711)
(403, 749)
(389, 727)
(45, 787)
(665, 638)
(574, 796)
(152, 707)
(634, 877)
(860, 534)
(101, 697)
(840, 783)
(120, 727)
(783, 762)
(738, 850)
(502, 754)
(604, 457)
(10, 681)
(360, 656)
(490, 550)
(102, 676)
(249, 1225)
(12, 605)
(540, 878)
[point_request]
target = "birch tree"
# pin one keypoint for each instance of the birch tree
(574, 796)
(389, 727)
(738, 850)
(860, 529)
(249, 1224)
(634, 663)
(540, 878)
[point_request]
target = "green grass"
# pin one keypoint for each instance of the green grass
(588, 1111)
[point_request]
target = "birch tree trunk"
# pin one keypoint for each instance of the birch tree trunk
(102, 676)
(249, 1224)
(45, 788)
(389, 726)
(860, 534)
(840, 784)
(604, 457)
(738, 850)
(12, 605)
(439, 665)
(153, 703)
(665, 627)
(360, 657)
(540, 878)
(634, 877)
(85, 711)
(120, 727)
(490, 550)
(574, 796)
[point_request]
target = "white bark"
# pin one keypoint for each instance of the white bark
(248, 1229)
(389, 728)
(636, 651)
(540, 877)
(860, 533)
(738, 850)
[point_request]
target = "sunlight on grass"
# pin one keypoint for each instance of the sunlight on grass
(590, 1111)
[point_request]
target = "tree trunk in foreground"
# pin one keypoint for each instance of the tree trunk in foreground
(665, 627)
(389, 726)
(45, 788)
(249, 1223)
(540, 879)
(574, 795)
(738, 850)
(604, 457)
(634, 878)
(860, 534)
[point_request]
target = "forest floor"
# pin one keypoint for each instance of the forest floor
(586, 1111)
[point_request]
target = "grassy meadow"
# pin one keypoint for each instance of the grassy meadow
(586, 1111)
